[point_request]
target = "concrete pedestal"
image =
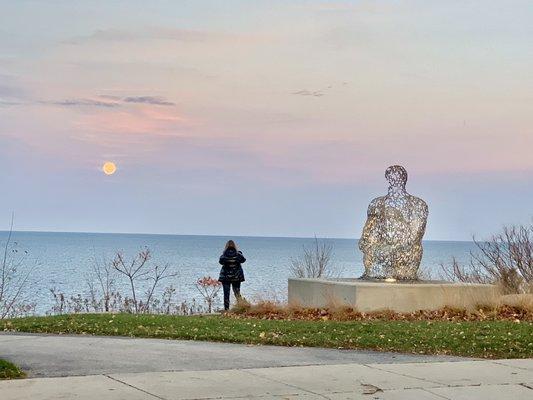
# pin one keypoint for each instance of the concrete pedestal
(369, 296)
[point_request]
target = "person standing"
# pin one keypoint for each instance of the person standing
(231, 273)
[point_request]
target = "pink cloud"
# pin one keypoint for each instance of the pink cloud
(139, 119)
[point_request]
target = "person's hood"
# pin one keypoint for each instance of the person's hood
(230, 252)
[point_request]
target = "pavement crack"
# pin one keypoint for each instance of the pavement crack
(510, 366)
(435, 394)
(405, 375)
(135, 387)
(286, 384)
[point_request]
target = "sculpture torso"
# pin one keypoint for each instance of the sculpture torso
(392, 236)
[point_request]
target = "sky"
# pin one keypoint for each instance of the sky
(266, 118)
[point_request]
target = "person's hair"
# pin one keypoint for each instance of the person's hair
(230, 245)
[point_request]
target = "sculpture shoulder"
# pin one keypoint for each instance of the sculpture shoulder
(375, 204)
(419, 204)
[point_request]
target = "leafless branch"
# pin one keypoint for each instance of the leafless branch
(315, 262)
(133, 270)
(506, 259)
(13, 280)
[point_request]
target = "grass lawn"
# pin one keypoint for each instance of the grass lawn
(10, 371)
(487, 339)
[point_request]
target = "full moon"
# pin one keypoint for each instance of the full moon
(109, 168)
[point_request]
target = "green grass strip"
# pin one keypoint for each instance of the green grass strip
(10, 371)
(486, 339)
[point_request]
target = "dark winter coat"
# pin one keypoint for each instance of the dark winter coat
(231, 270)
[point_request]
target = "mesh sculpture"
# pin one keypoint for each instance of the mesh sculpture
(392, 236)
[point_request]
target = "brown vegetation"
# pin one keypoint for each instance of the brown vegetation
(511, 309)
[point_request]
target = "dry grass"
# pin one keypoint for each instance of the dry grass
(524, 300)
(507, 309)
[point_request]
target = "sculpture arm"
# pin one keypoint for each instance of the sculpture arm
(418, 224)
(425, 213)
(368, 229)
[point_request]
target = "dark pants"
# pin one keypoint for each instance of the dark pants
(236, 290)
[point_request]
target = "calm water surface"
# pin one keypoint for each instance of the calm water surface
(64, 260)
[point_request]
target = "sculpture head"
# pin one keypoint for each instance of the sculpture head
(397, 176)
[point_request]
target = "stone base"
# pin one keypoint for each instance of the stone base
(369, 296)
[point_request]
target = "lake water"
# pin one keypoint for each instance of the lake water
(64, 260)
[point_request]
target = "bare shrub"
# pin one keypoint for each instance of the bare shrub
(456, 272)
(168, 306)
(13, 280)
(315, 262)
(506, 259)
(103, 279)
(208, 288)
(138, 269)
(104, 296)
(79, 303)
(73, 304)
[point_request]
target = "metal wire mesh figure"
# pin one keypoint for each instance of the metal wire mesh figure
(392, 236)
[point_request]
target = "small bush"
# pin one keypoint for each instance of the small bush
(138, 272)
(506, 260)
(315, 262)
(208, 288)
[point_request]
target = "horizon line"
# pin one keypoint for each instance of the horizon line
(212, 235)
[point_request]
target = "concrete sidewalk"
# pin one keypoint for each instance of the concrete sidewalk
(111, 368)
(487, 380)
